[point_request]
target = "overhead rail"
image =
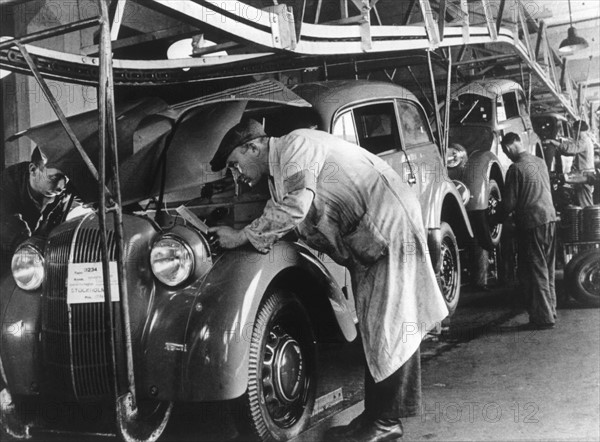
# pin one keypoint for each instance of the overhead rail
(480, 33)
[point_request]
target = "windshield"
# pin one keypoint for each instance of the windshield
(470, 108)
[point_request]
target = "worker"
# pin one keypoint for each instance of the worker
(33, 200)
(351, 205)
(582, 148)
(527, 195)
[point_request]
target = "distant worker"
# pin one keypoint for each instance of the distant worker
(33, 199)
(366, 218)
(527, 194)
(582, 148)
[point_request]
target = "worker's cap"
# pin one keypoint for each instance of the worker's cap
(238, 135)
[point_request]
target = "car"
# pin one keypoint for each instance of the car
(209, 325)
(481, 113)
(552, 126)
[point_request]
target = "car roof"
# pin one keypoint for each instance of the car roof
(489, 88)
(327, 97)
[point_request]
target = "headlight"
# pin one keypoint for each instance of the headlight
(28, 267)
(456, 156)
(172, 261)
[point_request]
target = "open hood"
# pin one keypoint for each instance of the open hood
(190, 132)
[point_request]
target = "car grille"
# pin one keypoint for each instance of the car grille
(75, 341)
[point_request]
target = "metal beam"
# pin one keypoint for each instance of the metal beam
(525, 30)
(430, 27)
(181, 32)
(442, 19)
(464, 6)
(500, 15)
(409, 10)
(489, 18)
(540, 38)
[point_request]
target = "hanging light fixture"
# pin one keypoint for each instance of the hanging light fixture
(573, 42)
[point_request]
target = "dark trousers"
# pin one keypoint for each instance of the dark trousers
(398, 395)
(536, 260)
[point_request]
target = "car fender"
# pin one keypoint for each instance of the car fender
(211, 346)
(476, 176)
(445, 198)
(20, 349)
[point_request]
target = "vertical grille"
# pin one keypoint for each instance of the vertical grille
(76, 342)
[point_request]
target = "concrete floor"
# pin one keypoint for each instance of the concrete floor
(483, 379)
(507, 384)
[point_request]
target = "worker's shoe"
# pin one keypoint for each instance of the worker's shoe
(365, 429)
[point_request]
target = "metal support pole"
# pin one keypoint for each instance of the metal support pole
(435, 100)
(107, 86)
(447, 113)
(500, 15)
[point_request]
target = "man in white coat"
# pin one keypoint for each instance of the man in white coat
(350, 204)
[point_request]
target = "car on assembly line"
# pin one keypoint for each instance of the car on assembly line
(552, 126)
(207, 324)
(481, 113)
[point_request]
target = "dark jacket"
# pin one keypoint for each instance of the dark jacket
(527, 192)
(20, 215)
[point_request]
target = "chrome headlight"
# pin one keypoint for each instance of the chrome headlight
(456, 156)
(28, 267)
(172, 260)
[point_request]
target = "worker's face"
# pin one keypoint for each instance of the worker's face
(47, 181)
(247, 165)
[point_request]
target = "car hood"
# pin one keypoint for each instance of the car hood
(148, 131)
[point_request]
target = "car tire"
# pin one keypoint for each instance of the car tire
(149, 423)
(488, 229)
(449, 276)
(281, 371)
(582, 275)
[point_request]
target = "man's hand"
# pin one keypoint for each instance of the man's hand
(554, 143)
(228, 238)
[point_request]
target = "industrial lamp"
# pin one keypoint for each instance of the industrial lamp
(573, 42)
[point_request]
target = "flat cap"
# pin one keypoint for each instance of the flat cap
(238, 135)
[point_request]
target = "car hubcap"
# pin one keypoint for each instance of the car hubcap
(493, 203)
(284, 377)
(448, 273)
(590, 278)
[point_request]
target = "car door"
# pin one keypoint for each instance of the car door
(374, 126)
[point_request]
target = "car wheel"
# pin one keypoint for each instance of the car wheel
(449, 277)
(281, 370)
(583, 278)
(149, 422)
(486, 223)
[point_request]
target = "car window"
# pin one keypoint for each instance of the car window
(470, 108)
(344, 128)
(413, 123)
(377, 128)
(511, 107)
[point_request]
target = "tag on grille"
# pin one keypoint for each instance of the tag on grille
(85, 283)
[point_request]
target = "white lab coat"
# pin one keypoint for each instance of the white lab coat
(350, 204)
